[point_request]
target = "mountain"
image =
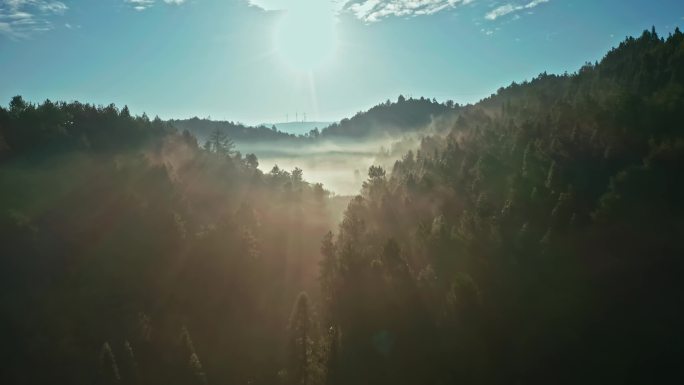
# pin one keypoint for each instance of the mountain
(203, 128)
(538, 242)
(115, 229)
(389, 119)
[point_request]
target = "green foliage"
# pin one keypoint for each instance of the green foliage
(406, 115)
(536, 238)
(219, 143)
(118, 228)
(109, 369)
(300, 355)
(538, 241)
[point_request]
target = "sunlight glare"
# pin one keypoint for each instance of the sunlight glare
(305, 41)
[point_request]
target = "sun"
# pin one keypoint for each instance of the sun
(305, 42)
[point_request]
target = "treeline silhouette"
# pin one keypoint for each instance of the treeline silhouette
(537, 241)
(391, 118)
(203, 128)
(386, 119)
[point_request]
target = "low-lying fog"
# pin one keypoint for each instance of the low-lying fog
(340, 165)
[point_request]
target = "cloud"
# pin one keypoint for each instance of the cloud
(52, 6)
(265, 5)
(371, 11)
(22, 18)
(141, 5)
(512, 8)
(368, 11)
(316, 6)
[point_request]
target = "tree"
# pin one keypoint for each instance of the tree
(129, 365)
(332, 358)
(297, 175)
(109, 370)
(252, 161)
(551, 176)
(194, 371)
(328, 266)
(320, 193)
(376, 183)
(220, 143)
(376, 172)
(391, 254)
(189, 139)
(17, 105)
(300, 349)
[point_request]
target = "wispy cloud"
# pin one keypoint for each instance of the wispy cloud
(371, 11)
(512, 8)
(141, 5)
(22, 18)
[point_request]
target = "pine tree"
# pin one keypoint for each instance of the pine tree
(300, 349)
(332, 357)
(551, 176)
(128, 365)
(220, 143)
(193, 369)
(109, 370)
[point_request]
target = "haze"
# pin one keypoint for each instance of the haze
(341, 192)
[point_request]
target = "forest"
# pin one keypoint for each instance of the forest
(386, 119)
(532, 237)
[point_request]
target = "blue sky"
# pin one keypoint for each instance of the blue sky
(257, 60)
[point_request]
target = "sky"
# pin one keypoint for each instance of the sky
(257, 61)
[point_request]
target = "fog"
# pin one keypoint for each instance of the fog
(341, 166)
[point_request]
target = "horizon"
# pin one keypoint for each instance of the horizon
(257, 61)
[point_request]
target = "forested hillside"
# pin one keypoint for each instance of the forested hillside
(132, 255)
(203, 128)
(386, 119)
(537, 240)
(392, 119)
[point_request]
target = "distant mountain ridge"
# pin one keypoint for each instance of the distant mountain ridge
(403, 116)
(298, 127)
(386, 119)
(202, 128)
